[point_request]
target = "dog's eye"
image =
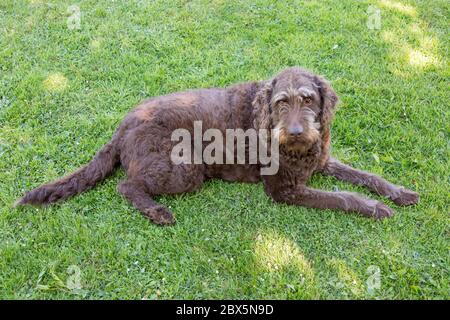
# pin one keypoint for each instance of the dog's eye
(307, 100)
(283, 109)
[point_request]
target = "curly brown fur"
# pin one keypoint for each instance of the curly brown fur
(296, 104)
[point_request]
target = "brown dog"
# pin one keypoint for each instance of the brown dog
(296, 103)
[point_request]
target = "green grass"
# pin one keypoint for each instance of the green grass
(63, 92)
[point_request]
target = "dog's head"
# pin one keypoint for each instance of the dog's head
(298, 105)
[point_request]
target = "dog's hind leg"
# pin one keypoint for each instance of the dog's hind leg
(159, 177)
(136, 192)
(146, 157)
(400, 195)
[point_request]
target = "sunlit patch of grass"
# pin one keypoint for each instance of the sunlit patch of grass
(348, 279)
(400, 7)
(388, 36)
(420, 60)
(56, 82)
(96, 44)
(279, 259)
(274, 253)
(412, 50)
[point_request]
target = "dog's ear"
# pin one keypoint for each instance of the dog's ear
(261, 106)
(329, 99)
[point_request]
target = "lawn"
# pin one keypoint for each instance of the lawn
(65, 87)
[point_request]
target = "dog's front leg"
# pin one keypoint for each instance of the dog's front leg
(346, 201)
(400, 195)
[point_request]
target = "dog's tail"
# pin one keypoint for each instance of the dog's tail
(84, 178)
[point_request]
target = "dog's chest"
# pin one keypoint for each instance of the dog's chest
(299, 167)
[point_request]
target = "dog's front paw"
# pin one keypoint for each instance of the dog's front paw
(405, 197)
(160, 215)
(382, 211)
(378, 210)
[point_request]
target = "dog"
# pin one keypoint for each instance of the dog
(296, 104)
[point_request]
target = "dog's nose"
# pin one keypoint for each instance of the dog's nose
(295, 130)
